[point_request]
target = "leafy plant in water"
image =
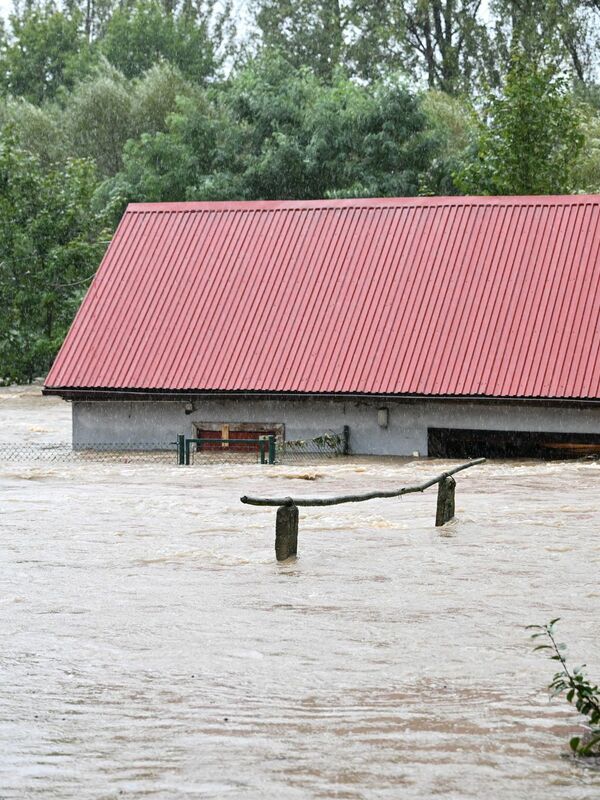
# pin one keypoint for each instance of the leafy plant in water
(327, 441)
(580, 692)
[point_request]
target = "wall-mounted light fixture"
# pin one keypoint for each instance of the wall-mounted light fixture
(383, 417)
(189, 408)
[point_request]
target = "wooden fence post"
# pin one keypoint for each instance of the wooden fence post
(286, 532)
(445, 501)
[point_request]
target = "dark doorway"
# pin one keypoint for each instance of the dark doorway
(464, 443)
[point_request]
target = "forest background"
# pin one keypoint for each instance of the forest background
(104, 102)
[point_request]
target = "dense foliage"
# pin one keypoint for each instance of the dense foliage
(278, 132)
(49, 238)
(529, 137)
(107, 102)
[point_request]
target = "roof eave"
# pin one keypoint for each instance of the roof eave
(108, 393)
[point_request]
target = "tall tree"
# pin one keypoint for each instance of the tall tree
(97, 118)
(444, 41)
(142, 34)
(529, 136)
(440, 41)
(549, 31)
(308, 34)
(36, 129)
(45, 49)
(94, 13)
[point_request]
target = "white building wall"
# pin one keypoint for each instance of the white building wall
(107, 422)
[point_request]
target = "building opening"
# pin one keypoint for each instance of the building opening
(464, 443)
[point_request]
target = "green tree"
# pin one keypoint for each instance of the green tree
(38, 130)
(95, 14)
(50, 243)
(155, 95)
(97, 118)
(586, 176)
(548, 31)
(452, 127)
(529, 137)
(443, 41)
(274, 132)
(301, 138)
(46, 49)
(451, 45)
(440, 41)
(307, 34)
(142, 34)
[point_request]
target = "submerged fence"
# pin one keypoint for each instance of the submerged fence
(266, 449)
(184, 451)
(63, 452)
(266, 446)
(328, 445)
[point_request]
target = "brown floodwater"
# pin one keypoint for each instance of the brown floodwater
(152, 647)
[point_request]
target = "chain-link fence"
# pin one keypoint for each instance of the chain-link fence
(302, 451)
(54, 452)
(292, 452)
(295, 452)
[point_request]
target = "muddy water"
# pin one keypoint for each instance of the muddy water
(152, 647)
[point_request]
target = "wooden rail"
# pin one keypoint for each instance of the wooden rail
(286, 526)
(354, 498)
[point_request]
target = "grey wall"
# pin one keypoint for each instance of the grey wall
(106, 422)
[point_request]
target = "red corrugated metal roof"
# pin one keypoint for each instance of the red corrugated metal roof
(493, 297)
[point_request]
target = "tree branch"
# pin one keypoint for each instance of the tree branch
(355, 498)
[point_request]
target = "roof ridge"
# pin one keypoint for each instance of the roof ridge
(437, 201)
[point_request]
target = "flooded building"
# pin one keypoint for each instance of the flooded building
(439, 326)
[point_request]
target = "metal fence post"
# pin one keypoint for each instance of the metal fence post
(180, 449)
(261, 447)
(187, 452)
(272, 452)
(345, 440)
